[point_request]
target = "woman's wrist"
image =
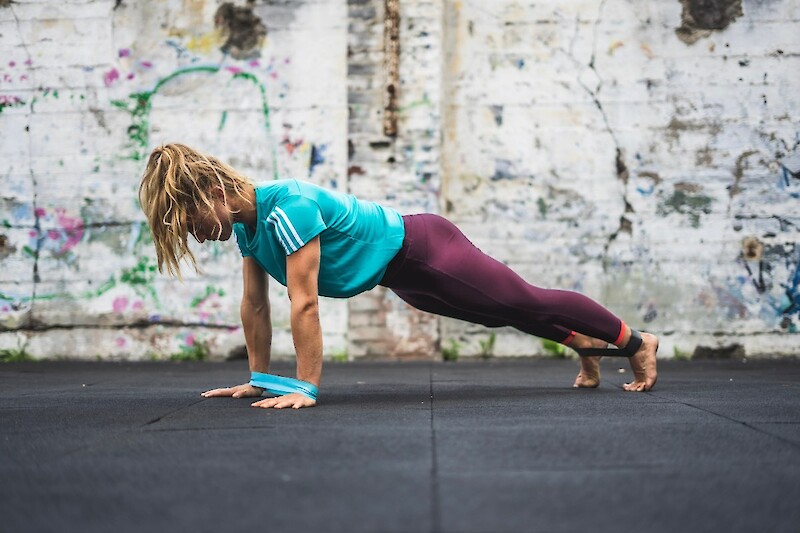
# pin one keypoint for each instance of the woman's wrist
(281, 386)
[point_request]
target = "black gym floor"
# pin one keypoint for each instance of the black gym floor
(410, 447)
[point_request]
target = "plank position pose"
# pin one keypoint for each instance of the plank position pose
(320, 242)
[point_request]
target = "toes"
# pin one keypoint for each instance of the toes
(635, 386)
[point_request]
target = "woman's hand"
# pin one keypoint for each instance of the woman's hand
(240, 391)
(294, 400)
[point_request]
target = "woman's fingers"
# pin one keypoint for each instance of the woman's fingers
(218, 392)
(240, 391)
(294, 400)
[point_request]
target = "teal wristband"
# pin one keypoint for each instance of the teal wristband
(280, 386)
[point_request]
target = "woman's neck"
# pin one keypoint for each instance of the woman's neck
(243, 208)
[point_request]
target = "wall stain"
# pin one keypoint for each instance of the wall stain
(676, 126)
(242, 30)
(692, 205)
(731, 351)
(738, 172)
(701, 17)
(6, 248)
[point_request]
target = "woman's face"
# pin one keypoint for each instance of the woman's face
(204, 225)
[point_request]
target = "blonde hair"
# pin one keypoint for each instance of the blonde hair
(177, 182)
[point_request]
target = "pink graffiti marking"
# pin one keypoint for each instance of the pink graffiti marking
(73, 227)
(120, 304)
(110, 77)
(10, 100)
(124, 52)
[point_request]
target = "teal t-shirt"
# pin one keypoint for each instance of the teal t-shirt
(357, 238)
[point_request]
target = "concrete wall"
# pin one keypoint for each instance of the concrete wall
(89, 88)
(643, 153)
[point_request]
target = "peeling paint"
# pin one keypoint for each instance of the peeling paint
(6, 248)
(242, 30)
(691, 205)
(700, 17)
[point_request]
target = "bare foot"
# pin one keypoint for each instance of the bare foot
(643, 365)
(589, 376)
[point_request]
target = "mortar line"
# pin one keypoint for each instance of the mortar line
(436, 517)
(745, 424)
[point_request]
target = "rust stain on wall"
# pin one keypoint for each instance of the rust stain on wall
(6, 248)
(701, 17)
(242, 30)
(391, 51)
(752, 249)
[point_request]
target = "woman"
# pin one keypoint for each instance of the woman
(319, 242)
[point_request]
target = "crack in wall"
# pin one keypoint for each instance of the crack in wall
(34, 201)
(625, 225)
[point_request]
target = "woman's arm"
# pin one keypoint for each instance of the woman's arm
(257, 328)
(302, 273)
(255, 313)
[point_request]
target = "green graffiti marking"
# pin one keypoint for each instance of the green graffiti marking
(542, 205)
(140, 104)
(222, 120)
(686, 204)
(425, 102)
(140, 277)
(210, 291)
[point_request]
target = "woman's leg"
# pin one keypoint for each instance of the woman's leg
(444, 273)
(440, 271)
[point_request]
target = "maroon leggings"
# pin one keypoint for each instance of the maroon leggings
(440, 271)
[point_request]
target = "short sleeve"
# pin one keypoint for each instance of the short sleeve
(241, 239)
(296, 220)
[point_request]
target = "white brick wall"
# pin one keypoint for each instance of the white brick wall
(584, 143)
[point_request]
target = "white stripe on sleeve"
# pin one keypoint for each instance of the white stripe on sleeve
(278, 230)
(289, 223)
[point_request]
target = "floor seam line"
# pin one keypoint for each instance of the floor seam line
(165, 415)
(436, 512)
(745, 424)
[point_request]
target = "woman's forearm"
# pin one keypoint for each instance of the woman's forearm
(307, 336)
(257, 327)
